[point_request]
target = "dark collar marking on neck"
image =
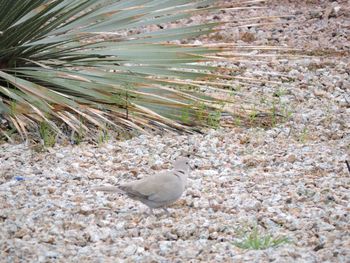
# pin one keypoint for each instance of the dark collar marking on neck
(176, 173)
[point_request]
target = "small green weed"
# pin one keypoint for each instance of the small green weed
(214, 119)
(47, 134)
(185, 116)
(207, 116)
(238, 121)
(103, 137)
(255, 240)
(303, 135)
(201, 112)
(77, 137)
(253, 115)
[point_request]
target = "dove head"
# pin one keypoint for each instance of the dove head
(182, 167)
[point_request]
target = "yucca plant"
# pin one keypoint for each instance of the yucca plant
(87, 61)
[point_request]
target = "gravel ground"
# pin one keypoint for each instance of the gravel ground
(290, 180)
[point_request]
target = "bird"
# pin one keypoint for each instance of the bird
(159, 190)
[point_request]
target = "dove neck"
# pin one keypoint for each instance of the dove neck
(182, 174)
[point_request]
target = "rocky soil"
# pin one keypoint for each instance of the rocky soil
(286, 181)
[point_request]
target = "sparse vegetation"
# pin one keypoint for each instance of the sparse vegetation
(214, 119)
(47, 134)
(103, 136)
(256, 240)
(303, 136)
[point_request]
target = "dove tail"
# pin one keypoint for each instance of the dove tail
(110, 189)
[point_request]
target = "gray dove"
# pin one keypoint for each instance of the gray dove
(159, 190)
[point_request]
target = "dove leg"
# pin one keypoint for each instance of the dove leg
(151, 211)
(166, 211)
